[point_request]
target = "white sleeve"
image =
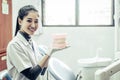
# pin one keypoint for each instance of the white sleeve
(19, 59)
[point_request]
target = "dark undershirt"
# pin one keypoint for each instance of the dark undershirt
(32, 72)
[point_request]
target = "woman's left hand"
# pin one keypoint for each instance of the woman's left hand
(58, 49)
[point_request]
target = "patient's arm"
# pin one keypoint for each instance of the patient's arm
(107, 72)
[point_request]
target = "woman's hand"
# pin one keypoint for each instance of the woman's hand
(53, 50)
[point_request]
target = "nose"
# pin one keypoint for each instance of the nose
(33, 24)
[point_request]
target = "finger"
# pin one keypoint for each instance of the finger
(68, 46)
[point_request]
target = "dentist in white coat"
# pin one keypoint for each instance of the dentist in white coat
(24, 60)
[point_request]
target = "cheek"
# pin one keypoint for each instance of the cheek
(37, 26)
(25, 26)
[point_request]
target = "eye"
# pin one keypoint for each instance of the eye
(36, 21)
(29, 21)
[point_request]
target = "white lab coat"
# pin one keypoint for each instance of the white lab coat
(20, 56)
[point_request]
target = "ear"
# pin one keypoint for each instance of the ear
(19, 21)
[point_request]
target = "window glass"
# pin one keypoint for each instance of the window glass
(59, 12)
(95, 12)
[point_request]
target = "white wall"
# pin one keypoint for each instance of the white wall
(84, 41)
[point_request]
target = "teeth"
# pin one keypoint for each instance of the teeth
(32, 29)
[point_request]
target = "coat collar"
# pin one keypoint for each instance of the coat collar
(22, 39)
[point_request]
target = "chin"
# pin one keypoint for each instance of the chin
(31, 33)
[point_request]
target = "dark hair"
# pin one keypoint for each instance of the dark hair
(22, 13)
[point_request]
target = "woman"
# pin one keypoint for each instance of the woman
(24, 60)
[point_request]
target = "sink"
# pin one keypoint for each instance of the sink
(94, 62)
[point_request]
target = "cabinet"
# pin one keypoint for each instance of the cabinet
(5, 32)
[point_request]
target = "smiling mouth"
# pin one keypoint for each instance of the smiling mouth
(32, 29)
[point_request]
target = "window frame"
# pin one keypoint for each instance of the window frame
(77, 17)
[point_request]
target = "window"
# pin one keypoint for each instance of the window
(77, 12)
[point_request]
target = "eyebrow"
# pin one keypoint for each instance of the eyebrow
(31, 18)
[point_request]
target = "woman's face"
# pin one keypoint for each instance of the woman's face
(29, 24)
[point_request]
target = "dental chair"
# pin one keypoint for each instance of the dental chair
(4, 75)
(59, 70)
(107, 72)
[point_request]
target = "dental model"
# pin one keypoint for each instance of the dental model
(59, 40)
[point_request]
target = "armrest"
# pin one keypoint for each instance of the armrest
(4, 74)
